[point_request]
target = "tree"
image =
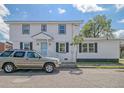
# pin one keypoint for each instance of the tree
(76, 41)
(97, 27)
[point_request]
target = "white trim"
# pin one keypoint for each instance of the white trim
(92, 47)
(82, 48)
(59, 30)
(64, 47)
(22, 28)
(24, 43)
(75, 21)
(47, 46)
(45, 27)
(88, 51)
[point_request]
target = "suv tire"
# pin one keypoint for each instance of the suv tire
(49, 67)
(9, 67)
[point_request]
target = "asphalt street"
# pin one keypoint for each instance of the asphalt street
(64, 78)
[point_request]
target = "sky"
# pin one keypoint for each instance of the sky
(59, 12)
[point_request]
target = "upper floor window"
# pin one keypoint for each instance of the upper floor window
(62, 28)
(43, 27)
(25, 28)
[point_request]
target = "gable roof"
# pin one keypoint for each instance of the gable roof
(42, 35)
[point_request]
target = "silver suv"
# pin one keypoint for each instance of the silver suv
(11, 60)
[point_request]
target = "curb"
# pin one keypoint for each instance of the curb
(86, 66)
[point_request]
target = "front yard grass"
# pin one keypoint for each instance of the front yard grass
(110, 67)
(105, 65)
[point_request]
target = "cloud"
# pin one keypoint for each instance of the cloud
(119, 34)
(88, 8)
(119, 6)
(61, 11)
(4, 28)
(121, 21)
(50, 11)
(3, 36)
(4, 11)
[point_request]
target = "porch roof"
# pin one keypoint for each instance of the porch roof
(42, 35)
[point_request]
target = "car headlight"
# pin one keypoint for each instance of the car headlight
(58, 61)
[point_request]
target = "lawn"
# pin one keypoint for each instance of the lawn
(111, 67)
(102, 64)
(97, 63)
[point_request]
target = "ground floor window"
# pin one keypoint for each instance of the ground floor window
(62, 47)
(26, 45)
(88, 48)
(92, 47)
(84, 47)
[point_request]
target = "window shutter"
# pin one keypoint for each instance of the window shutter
(57, 47)
(21, 45)
(96, 48)
(67, 47)
(80, 47)
(31, 45)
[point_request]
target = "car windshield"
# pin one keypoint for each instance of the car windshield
(6, 53)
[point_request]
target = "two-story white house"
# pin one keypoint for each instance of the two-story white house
(54, 38)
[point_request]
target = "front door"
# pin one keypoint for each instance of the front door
(44, 48)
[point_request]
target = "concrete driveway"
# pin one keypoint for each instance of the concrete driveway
(64, 78)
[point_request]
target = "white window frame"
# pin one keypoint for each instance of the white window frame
(62, 29)
(92, 47)
(24, 45)
(45, 27)
(23, 32)
(64, 47)
(88, 48)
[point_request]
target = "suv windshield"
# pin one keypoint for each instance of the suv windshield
(6, 53)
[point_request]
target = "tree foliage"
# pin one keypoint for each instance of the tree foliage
(97, 27)
(77, 39)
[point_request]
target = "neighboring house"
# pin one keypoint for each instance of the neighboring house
(54, 38)
(122, 49)
(5, 45)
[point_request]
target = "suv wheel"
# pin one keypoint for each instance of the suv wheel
(49, 67)
(8, 67)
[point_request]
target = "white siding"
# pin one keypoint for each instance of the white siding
(16, 37)
(107, 49)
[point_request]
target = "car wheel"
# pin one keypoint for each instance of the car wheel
(8, 68)
(49, 67)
